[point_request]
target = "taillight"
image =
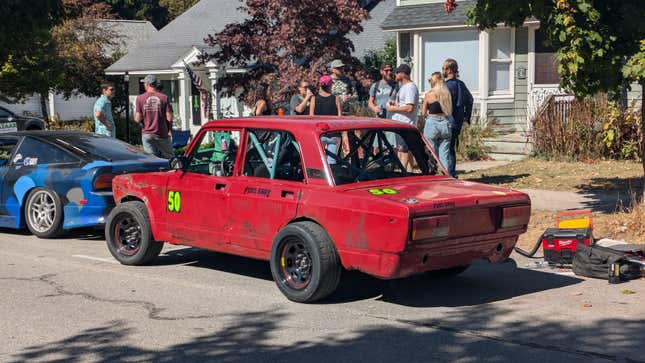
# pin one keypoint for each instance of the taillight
(103, 182)
(515, 216)
(430, 227)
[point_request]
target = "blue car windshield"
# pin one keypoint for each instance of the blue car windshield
(102, 147)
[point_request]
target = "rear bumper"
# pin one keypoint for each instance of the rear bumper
(92, 214)
(433, 256)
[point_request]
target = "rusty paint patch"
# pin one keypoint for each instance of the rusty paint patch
(357, 238)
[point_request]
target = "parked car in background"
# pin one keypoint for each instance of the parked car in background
(11, 122)
(284, 189)
(52, 181)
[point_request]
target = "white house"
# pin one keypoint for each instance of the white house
(131, 32)
(182, 41)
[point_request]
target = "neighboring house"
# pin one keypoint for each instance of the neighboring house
(182, 40)
(131, 32)
(510, 71)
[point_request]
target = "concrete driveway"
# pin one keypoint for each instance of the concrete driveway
(68, 300)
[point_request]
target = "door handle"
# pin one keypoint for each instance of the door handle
(220, 186)
(287, 194)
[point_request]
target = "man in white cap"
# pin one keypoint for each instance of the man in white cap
(154, 110)
(342, 85)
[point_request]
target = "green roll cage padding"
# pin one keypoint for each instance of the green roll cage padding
(274, 165)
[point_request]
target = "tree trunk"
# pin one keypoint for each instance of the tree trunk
(43, 106)
(642, 83)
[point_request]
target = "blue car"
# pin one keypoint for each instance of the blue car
(52, 181)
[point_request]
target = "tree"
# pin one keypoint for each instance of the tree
(176, 7)
(24, 21)
(71, 59)
(149, 10)
(600, 45)
(375, 58)
(284, 41)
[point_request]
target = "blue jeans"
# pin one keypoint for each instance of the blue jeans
(438, 131)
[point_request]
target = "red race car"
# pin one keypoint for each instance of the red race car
(313, 195)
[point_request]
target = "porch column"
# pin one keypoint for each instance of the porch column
(184, 100)
(214, 76)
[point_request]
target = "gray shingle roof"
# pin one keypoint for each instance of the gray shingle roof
(177, 38)
(415, 16)
(373, 37)
(131, 32)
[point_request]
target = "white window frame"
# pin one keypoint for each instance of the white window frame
(487, 60)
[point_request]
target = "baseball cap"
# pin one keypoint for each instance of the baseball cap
(325, 80)
(336, 63)
(403, 68)
(386, 66)
(150, 79)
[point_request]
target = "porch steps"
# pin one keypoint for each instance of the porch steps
(514, 146)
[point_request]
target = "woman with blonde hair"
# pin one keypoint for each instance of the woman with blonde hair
(437, 107)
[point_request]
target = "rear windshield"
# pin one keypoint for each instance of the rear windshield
(372, 154)
(104, 147)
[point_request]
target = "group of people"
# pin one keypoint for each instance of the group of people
(153, 111)
(446, 106)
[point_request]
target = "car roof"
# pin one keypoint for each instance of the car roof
(314, 123)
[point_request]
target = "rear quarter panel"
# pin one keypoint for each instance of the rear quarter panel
(149, 188)
(360, 227)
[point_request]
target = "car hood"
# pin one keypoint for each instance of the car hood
(430, 195)
(130, 166)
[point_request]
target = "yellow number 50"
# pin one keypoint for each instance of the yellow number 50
(174, 201)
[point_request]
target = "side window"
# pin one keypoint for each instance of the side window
(34, 152)
(4, 113)
(7, 145)
(215, 153)
(273, 154)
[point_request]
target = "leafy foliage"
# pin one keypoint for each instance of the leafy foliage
(282, 42)
(375, 58)
(176, 7)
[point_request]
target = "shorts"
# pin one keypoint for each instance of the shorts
(158, 146)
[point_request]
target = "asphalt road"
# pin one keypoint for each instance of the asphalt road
(68, 300)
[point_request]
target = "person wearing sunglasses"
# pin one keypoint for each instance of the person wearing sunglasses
(382, 91)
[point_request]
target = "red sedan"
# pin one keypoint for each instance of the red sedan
(314, 195)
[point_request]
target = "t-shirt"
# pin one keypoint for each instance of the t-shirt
(153, 107)
(408, 95)
(295, 101)
(382, 93)
(104, 105)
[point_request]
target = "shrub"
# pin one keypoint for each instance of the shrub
(587, 129)
(471, 140)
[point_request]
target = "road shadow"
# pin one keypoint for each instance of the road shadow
(498, 179)
(482, 283)
(609, 195)
(471, 334)
(200, 258)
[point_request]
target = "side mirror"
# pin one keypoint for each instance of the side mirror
(178, 163)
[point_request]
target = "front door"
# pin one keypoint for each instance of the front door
(197, 196)
(265, 197)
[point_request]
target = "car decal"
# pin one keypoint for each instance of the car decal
(386, 191)
(174, 201)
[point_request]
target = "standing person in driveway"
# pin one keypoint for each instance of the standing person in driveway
(103, 118)
(381, 92)
(155, 112)
(462, 106)
(405, 108)
(437, 107)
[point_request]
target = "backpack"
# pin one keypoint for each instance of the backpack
(595, 261)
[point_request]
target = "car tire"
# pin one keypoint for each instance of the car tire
(44, 213)
(304, 262)
(128, 234)
(447, 272)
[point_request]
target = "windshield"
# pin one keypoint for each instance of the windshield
(373, 154)
(101, 146)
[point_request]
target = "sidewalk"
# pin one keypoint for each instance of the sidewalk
(554, 200)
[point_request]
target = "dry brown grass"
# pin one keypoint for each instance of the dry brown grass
(624, 176)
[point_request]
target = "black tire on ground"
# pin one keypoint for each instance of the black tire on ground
(324, 268)
(128, 234)
(44, 213)
(447, 272)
